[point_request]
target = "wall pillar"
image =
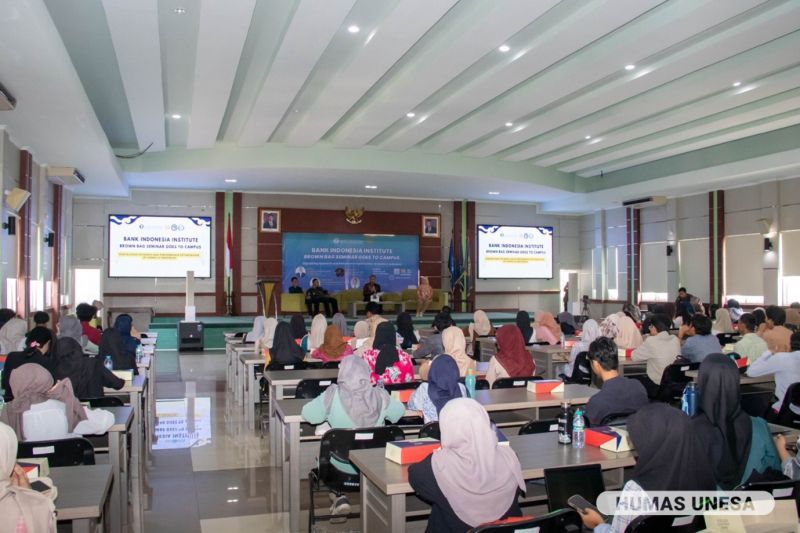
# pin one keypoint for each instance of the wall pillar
(716, 233)
(24, 237)
(633, 240)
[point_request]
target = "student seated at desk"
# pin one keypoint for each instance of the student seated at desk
(334, 347)
(659, 350)
(360, 334)
(284, 350)
(388, 363)
(455, 345)
(784, 366)
(340, 322)
(722, 322)
(12, 335)
(258, 329)
(44, 411)
(441, 386)
(480, 326)
(619, 394)
(669, 457)
(432, 344)
(267, 337)
(775, 334)
(37, 350)
(317, 334)
(88, 375)
(699, 342)
(406, 333)
(523, 321)
(589, 332)
(750, 345)
(352, 402)
(738, 445)
(22, 509)
(120, 342)
(298, 325)
(546, 328)
(567, 323)
(790, 464)
(512, 360)
(471, 480)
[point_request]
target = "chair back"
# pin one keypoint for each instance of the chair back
(539, 426)
(581, 370)
(300, 365)
(64, 452)
(105, 401)
(726, 338)
(330, 364)
(785, 489)
(787, 417)
(673, 380)
(659, 523)
(756, 402)
(480, 383)
(402, 386)
(514, 383)
(338, 443)
(431, 431)
(311, 388)
(564, 482)
(563, 520)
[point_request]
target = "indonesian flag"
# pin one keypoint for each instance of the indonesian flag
(229, 249)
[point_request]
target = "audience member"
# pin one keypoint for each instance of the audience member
(480, 326)
(285, 350)
(120, 342)
(632, 312)
(295, 287)
(455, 345)
(698, 341)
(97, 320)
(609, 327)
(722, 322)
(628, 335)
(88, 375)
(388, 363)
(316, 295)
(333, 347)
(258, 329)
(512, 359)
(471, 480)
(371, 288)
(546, 328)
(750, 345)
(360, 334)
(340, 322)
(40, 318)
(567, 323)
(424, 295)
(776, 335)
(441, 386)
(267, 338)
(85, 314)
(351, 403)
(42, 411)
(12, 335)
(6, 315)
(23, 510)
(38, 344)
(589, 332)
(618, 395)
(734, 309)
(316, 335)
(790, 464)
(405, 330)
(737, 444)
(523, 321)
(785, 367)
(659, 350)
(432, 344)
(761, 319)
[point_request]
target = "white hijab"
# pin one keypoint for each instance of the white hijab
(269, 332)
(258, 329)
(12, 335)
(317, 334)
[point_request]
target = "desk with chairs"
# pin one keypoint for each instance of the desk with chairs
(82, 495)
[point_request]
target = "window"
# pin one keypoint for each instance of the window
(693, 267)
(88, 284)
(790, 290)
(611, 273)
(11, 293)
(744, 277)
(653, 258)
(36, 297)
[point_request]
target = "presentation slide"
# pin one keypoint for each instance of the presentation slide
(518, 252)
(158, 246)
(343, 261)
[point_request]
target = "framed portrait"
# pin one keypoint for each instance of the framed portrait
(430, 225)
(269, 220)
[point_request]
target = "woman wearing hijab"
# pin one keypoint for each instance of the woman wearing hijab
(546, 328)
(317, 334)
(670, 458)
(12, 335)
(38, 345)
(609, 327)
(334, 347)
(258, 329)
(480, 326)
(629, 337)
(285, 350)
(360, 334)
(88, 375)
(722, 322)
(471, 480)
(455, 345)
(120, 343)
(633, 312)
(441, 387)
(590, 331)
(405, 330)
(341, 322)
(22, 509)
(350, 403)
(524, 324)
(267, 338)
(512, 360)
(389, 364)
(567, 323)
(737, 444)
(298, 325)
(424, 295)
(41, 411)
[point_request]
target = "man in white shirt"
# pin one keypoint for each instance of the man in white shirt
(785, 366)
(659, 350)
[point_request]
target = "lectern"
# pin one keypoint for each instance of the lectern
(266, 291)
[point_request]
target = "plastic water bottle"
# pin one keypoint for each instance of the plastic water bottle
(469, 383)
(563, 424)
(563, 340)
(139, 354)
(578, 430)
(380, 383)
(689, 399)
(108, 363)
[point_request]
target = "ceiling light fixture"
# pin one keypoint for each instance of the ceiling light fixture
(494, 193)
(353, 28)
(180, 10)
(411, 114)
(231, 180)
(737, 83)
(588, 137)
(504, 48)
(176, 116)
(509, 124)
(630, 67)
(370, 186)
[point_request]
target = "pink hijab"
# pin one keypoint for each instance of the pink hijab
(628, 335)
(478, 477)
(543, 319)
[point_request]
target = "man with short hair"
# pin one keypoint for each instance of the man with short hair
(619, 395)
(432, 344)
(750, 345)
(699, 340)
(785, 367)
(777, 336)
(85, 314)
(683, 303)
(371, 288)
(317, 295)
(295, 288)
(659, 350)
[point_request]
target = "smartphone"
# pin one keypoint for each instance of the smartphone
(579, 503)
(40, 486)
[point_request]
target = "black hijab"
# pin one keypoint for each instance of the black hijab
(724, 429)
(524, 325)
(405, 327)
(284, 349)
(298, 325)
(111, 344)
(85, 373)
(670, 456)
(386, 344)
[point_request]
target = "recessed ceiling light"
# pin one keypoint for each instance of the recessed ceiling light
(176, 116)
(494, 193)
(353, 28)
(630, 67)
(370, 186)
(411, 114)
(588, 137)
(504, 48)
(737, 83)
(231, 180)
(509, 124)
(180, 10)
(296, 110)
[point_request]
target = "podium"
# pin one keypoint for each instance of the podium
(266, 291)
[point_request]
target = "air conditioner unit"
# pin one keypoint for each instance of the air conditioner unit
(648, 201)
(7, 101)
(65, 176)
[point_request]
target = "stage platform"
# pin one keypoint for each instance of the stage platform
(216, 326)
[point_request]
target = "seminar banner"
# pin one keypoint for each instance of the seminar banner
(343, 261)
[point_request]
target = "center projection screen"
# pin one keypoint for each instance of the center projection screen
(344, 261)
(515, 252)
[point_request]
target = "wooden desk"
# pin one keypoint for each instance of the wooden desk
(546, 357)
(744, 379)
(82, 495)
(384, 484)
(120, 465)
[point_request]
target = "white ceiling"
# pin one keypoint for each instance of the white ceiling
(260, 76)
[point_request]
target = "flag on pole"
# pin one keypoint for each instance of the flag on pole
(454, 266)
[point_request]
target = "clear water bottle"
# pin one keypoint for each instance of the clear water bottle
(689, 399)
(578, 430)
(380, 383)
(139, 354)
(469, 383)
(563, 424)
(563, 340)
(108, 363)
